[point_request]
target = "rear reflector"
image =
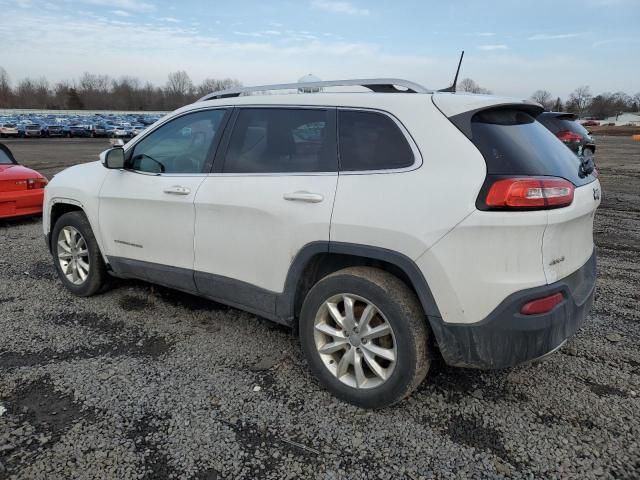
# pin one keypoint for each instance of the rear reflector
(542, 305)
(569, 136)
(531, 193)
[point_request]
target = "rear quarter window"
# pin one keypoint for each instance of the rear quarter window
(513, 143)
(371, 141)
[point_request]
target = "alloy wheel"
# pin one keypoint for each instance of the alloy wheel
(355, 341)
(73, 255)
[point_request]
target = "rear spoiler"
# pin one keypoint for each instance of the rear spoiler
(463, 120)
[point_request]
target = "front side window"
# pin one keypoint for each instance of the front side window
(277, 140)
(180, 146)
(371, 141)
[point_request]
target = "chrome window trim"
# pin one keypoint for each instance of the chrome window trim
(417, 154)
(418, 159)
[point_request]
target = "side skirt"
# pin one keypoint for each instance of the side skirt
(227, 291)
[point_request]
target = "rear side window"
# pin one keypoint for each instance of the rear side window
(514, 143)
(280, 140)
(371, 141)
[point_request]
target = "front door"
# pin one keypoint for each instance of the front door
(147, 210)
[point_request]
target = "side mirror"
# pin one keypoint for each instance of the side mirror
(113, 158)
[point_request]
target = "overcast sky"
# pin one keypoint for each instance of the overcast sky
(512, 47)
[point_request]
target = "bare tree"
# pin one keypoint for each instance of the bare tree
(6, 94)
(60, 94)
(636, 102)
(94, 90)
(558, 106)
(580, 100)
(209, 85)
(543, 97)
(468, 85)
(179, 87)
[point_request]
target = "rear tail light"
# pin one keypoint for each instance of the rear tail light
(569, 136)
(35, 183)
(542, 305)
(530, 193)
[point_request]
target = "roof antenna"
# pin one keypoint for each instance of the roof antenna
(452, 88)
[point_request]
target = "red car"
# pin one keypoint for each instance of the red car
(21, 189)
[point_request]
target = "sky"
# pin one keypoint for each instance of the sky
(512, 47)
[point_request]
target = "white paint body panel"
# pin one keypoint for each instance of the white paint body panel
(487, 257)
(78, 185)
(135, 209)
(247, 231)
(408, 212)
(568, 238)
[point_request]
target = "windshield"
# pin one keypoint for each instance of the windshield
(4, 158)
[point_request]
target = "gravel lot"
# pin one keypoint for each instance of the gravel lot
(144, 382)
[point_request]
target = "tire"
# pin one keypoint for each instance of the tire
(96, 276)
(393, 304)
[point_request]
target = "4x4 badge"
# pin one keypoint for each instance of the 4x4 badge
(596, 194)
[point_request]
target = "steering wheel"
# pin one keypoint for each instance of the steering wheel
(195, 167)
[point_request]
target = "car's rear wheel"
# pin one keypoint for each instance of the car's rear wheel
(364, 335)
(77, 256)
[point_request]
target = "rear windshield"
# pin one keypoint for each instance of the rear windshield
(561, 124)
(514, 143)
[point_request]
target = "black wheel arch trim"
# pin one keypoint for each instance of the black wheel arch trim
(285, 304)
(277, 306)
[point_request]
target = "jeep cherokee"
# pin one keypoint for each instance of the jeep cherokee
(385, 227)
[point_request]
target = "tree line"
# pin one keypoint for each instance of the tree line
(581, 101)
(101, 92)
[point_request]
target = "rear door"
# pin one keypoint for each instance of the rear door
(271, 193)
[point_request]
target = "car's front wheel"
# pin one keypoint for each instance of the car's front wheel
(77, 256)
(364, 334)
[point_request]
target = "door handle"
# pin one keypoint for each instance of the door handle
(303, 197)
(177, 190)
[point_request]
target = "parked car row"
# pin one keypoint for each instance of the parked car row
(62, 125)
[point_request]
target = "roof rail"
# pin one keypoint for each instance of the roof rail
(378, 85)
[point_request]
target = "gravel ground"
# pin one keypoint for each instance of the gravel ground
(144, 382)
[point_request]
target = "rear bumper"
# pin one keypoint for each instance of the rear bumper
(17, 204)
(507, 338)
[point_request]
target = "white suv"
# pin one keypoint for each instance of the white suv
(383, 226)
